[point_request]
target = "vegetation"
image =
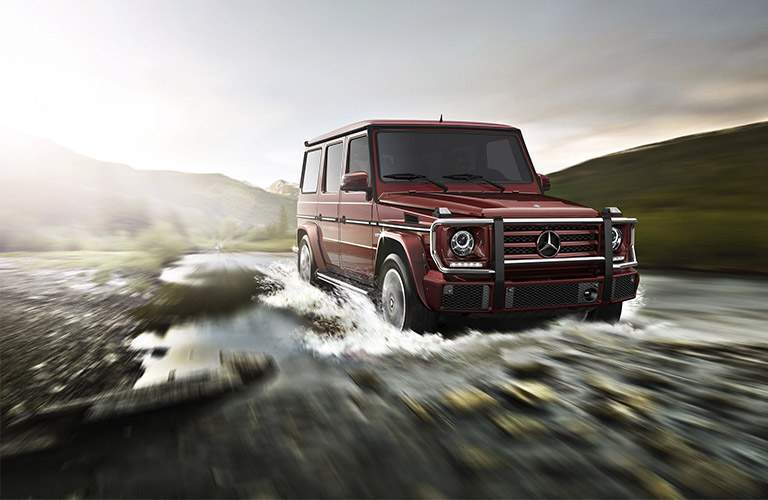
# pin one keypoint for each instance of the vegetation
(52, 199)
(701, 199)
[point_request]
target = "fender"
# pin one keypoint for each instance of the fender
(313, 233)
(416, 257)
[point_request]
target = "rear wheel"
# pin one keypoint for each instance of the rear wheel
(305, 261)
(400, 304)
(609, 313)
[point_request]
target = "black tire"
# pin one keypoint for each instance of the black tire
(609, 313)
(304, 246)
(417, 317)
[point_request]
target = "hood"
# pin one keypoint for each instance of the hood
(487, 204)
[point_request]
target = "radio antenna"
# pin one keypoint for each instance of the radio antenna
(441, 118)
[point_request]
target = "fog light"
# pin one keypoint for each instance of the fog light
(590, 294)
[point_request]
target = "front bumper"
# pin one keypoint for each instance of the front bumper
(613, 279)
(521, 296)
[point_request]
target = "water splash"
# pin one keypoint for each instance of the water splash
(348, 325)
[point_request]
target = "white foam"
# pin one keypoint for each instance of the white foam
(363, 332)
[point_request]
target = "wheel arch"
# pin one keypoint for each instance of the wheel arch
(410, 249)
(311, 232)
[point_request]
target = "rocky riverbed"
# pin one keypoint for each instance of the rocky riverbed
(672, 402)
(63, 336)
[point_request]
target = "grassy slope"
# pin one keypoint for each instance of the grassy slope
(51, 196)
(702, 200)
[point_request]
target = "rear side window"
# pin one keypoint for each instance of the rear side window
(332, 168)
(310, 171)
(359, 159)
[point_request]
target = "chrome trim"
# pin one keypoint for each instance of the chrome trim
(433, 245)
(339, 283)
(348, 243)
(409, 228)
(631, 254)
(360, 222)
(583, 220)
(625, 264)
(556, 260)
(308, 217)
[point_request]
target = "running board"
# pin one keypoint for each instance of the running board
(339, 283)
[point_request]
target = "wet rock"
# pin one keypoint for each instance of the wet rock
(668, 445)
(647, 378)
(474, 458)
(248, 365)
(421, 410)
(529, 393)
(655, 485)
(519, 426)
(27, 442)
(468, 399)
(120, 403)
(627, 395)
(709, 478)
(614, 411)
(531, 369)
(366, 379)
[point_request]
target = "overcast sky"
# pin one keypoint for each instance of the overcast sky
(236, 87)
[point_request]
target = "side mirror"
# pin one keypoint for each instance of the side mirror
(355, 181)
(544, 182)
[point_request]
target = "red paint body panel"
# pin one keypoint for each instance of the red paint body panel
(347, 230)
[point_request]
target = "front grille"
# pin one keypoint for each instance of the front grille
(580, 239)
(465, 297)
(547, 295)
(623, 287)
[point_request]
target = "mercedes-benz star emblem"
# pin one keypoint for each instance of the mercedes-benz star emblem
(548, 244)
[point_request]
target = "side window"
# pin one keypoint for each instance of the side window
(359, 159)
(310, 171)
(332, 179)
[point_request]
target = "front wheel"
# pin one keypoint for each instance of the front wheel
(400, 304)
(609, 313)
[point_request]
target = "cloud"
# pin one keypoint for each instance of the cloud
(236, 87)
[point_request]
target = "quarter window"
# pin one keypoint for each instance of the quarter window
(310, 171)
(332, 168)
(359, 159)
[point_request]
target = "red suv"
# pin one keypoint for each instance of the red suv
(434, 218)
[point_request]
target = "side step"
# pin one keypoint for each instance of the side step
(339, 282)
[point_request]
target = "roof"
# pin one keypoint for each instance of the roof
(355, 127)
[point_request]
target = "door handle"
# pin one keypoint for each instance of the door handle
(343, 219)
(319, 217)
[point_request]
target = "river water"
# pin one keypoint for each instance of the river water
(303, 321)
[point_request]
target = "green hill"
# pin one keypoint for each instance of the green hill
(53, 198)
(702, 199)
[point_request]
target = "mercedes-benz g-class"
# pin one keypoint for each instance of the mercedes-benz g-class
(435, 218)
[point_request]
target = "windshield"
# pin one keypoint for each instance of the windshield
(462, 156)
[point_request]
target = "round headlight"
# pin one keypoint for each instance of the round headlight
(462, 243)
(615, 238)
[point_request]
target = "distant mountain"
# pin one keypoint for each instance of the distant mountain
(47, 190)
(702, 199)
(285, 188)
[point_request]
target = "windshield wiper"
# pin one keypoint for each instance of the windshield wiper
(474, 177)
(412, 177)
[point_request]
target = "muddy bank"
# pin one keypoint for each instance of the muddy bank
(66, 335)
(63, 336)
